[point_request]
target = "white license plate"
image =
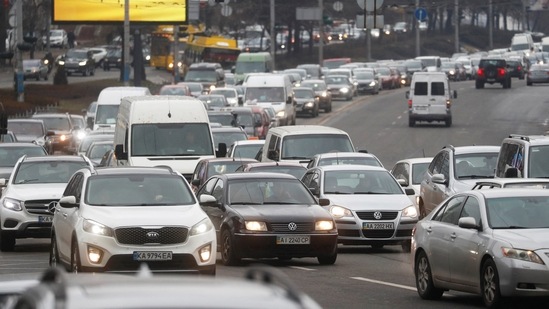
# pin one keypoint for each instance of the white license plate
(378, 226)
(420, 108)
(491, 79)
(152, 255)
(45, 218)
(293, 240)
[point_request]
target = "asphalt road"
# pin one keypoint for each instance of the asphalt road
(364, 277)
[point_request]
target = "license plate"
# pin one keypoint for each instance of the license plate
(420, 108)
(152, 255)
(378, 226)
(293, 240)
(45, 218)
(491, 79)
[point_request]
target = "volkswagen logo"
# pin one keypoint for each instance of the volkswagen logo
(378, 215)
(153, 235)
(292, 226)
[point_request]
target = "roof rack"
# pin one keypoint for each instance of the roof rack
(520, 136)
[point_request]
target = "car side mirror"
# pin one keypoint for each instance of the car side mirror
(468, 223)
(439, 179)
(272, 155)
(195, 182)
(323, 201)
(402, 182)
(221, 150)
(207, 200)
(289, 100)
(3, 182)
(68, 201)
(410, 191)
(119, 152)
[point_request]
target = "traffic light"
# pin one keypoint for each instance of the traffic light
(327, 20)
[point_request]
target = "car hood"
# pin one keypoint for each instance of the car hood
(281, 213)
(365, 81)
(338, 86)
(27, 138)
(356, 202)
(40, 191)
(528, 239)
(304, 100)
(111, 216)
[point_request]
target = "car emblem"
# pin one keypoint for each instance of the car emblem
(378, 215)
(292, 226)
(153, 235)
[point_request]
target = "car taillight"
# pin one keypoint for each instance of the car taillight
(519, 68)
(480, 72)
(501, 72)
(409, 103)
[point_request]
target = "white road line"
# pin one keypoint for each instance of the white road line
(405, 287)
(302, 268)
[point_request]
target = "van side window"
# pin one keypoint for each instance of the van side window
(420, 88)
(508, 155)
(437, 88)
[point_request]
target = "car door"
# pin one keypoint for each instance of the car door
(211, 187)
(439, 240)
(428, 188)
(65, 219)
(464, 252)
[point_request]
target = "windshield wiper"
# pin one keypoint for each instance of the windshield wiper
(370, 192)
(245, 203)
(474, 176)
(295, 158)
(281, 203)
(26, 181)
(337, 192)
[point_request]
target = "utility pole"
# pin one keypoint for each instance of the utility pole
(19, 54)
(273, 34)
(456, 26)
(126, 74)
(490, 26)
(176, 76)
(418, 48)
(321, 33)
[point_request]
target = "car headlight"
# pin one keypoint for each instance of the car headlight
(452, 72)
(202, 227)
(281, 114)
(212, 87)
(409, 212)
(344, 90)
(309, 104)
(324, 225)
(340, 212)
(96, 228)
(81, 134)
(82, 63)
(61, 62)
(63, 137)
(255, 226)
(372, 84)
(148, 57)
(13, 204)
(170, 66)
(324, 94)
(523, 255)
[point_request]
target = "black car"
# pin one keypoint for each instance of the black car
(491, 71)
(267, 215)
(78, 61)
(113, 59)
(63, 132)
(516, 69)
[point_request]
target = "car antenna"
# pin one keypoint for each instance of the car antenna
(424, 153)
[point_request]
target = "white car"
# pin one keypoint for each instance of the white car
(409, 173)
(58, 38)
(113, 220)
(367, 203)
(229, 93)
(344, 158)
(245, 149)
(99, 54)
(30, 193)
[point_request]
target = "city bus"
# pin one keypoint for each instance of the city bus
(162, 45)
(218, 49)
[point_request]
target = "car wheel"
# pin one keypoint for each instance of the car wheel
(509, 83)
(92, 72)
(38, 77)
(422, 212)
(328, 108)
(46, 77)
(411, 122)
(7, 241)
(75, 257)
(424, 279)
(85, 72)
(327, 259)
(228, 254)
(406, 246)
(54, 254)
(479, 85)
(529, 83)
(489, 282)
(448, 122)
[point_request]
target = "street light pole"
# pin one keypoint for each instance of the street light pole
(417, 32)
(456, 25)
(19, 54)
(126, 74)
(490, 26)
(273, 34)
(321, 33)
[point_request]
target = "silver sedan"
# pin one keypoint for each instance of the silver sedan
(494, 243)
(538, 73)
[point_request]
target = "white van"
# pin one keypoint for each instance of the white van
(522, 41)
(272, 90)
(164, 130)
(545, 44)
(430, 98)
(430, 63)
(301, 143)
(109, 101)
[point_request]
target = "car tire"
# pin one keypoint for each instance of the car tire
(529, 83)
(46, 77)
(228, 252)
(54, 253)
(85, 72)
(7, 241)
(38, 77)
(479, 85)
(406, 246)
(328, 108)
(448, 122)
(411, 122)
(424, 278)
(75, 258)
(489, 284)
(208, 271)
(327, 259)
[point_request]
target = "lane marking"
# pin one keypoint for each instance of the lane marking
(302, 268)
(405, 287)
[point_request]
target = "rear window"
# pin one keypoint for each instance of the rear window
(420, 88)
(437, 88)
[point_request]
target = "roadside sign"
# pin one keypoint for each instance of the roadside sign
(421, 14)
(370, 5)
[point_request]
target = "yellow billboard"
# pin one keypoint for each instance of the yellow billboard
(105, 11)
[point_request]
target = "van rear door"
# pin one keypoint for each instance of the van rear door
(429, 97)
(437, 97)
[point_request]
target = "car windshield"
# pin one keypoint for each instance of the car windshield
(336, 80)
(413, 64)
(216, 168)
(98, 151)
(418, 170)
(10, 155)
(475, 165)
(194, 87)
(223, 119)
(518, 212)
(171, 139)
(333, 64)
(246, 151)
(201, 76)
(77, 54)
(349, 160)
(31, 63)
(228, 137)
(269, 192)
(228, 93)
(137, 190)
(307, 145)
(114, 53)
(250, 67)
(264, 94)
(245, 120)
(106, 114)
(56, 123)
(88, 140)
(303, 94)
(360, 182)
(314, 86)
(539, 162)
(26, 128)
(78, 122)
(172, 91)
(296, 171)
(213, 100)
(364, 75)
(46, 172)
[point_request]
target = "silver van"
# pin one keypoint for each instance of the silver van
(430, 98)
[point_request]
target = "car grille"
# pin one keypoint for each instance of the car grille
(369, 215)
(302, 227)
(378, 233)
(38, 207)
(140, 236)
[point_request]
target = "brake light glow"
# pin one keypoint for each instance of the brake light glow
(409, 103)
(480, 72)
(501, 72)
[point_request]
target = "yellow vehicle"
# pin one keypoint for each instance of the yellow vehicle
(162, 46)
(201, 48)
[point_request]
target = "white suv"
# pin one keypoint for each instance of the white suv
(115, 219)
(35, 185)
(524, 156)
(455, 169)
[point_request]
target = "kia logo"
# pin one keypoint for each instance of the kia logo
(153, 235)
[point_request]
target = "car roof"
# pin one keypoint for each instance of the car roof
(416, 160)
(26, 120)
(249, 142)
(344, 155)
(275, 163)
(18, 144)
(532, 139)
(260, 175)
(351, 167)
(509, 192)
(55, 158)
(307, 129)
(475, 149)
(228, 159)
(227, 129)
(50, 115)
(505, 181)
(135, 170)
